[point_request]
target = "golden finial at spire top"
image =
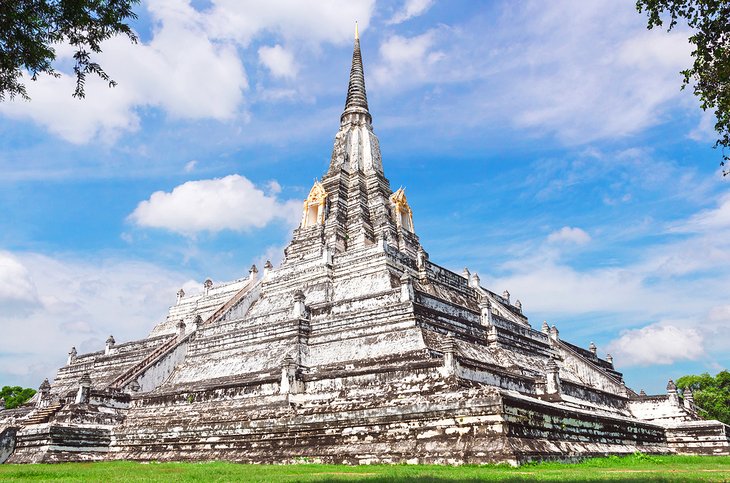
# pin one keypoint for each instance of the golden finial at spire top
(357, 34)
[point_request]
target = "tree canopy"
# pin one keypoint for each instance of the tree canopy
(15, 395)
(711, 394)
(30, 31)
(709, 75)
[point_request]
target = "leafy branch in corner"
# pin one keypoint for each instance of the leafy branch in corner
(710, 72)
(30, 30)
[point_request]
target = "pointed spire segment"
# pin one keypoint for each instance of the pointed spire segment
(357, 101)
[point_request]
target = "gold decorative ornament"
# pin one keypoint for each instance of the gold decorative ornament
(403, 212)
(314, 206)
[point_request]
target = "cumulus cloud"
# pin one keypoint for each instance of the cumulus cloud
(550, 287)
(76, 303)
(229, 203)
(18, 293)
(657, 344)
(279, 61)
(204, 80)
(412, 57)
(569, 234)
(675, 277)
(668, 298)
(411, 8)
(330, 21)
(80, 303)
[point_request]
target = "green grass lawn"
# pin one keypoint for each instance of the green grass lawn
(631, 468)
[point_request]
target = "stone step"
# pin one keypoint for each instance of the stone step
(42, 415)
(355, 320)
(175, 342)
(259, 334)
(250, 323)
(104, 369)
(133, 371)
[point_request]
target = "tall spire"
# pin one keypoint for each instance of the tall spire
(357, 100)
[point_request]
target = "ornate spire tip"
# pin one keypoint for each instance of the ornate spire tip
(357, 34)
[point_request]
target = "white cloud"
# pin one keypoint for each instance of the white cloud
(190, 166)
(569, 235)
(552, 288)
(584, 78)
(331, 21)
(708, 220)
(78, 303)
(705, 246)
(190, 68)
(411, 57)
(566, 72)
(274, 187)
(656, 344)
(206, 79)
(411, 8)
(578, 71)
(670, 298)
(18, 293)
(674, 277)
(279, 61)
(105, 112)
(705, 129)
(629, 171)
(648, 50)
(229, 203)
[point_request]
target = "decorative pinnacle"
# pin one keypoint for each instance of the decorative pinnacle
(357, 101)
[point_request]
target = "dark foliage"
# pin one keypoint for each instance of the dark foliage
(31, 29)
(15, 395)
(710, 74)
(711, 394)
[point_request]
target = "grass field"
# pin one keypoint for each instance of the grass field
(631, 468)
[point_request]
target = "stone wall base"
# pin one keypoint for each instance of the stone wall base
(700, 437)
(436, 425)
(54, 443)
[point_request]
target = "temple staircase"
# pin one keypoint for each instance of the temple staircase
(137, 369)
(175, 342)
(42, 415)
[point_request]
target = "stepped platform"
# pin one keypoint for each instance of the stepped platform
(356, 349)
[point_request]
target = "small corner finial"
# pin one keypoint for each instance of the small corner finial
(357, 34)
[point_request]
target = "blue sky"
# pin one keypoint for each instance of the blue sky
(546, 146)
